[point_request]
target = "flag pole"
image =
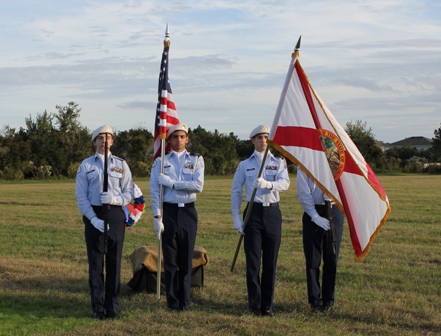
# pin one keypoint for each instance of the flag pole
(161, 199)
(249, 207)
(294, 56)
(161, 189)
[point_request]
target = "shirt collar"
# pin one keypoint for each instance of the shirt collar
(178, 154)
(101, 156)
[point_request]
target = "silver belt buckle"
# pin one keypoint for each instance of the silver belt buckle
(181, 205)
(266, 204)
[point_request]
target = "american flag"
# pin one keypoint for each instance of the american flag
(166, 115)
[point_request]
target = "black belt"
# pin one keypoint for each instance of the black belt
(110, 206)
(323, 206)
(180, 205)
(267, 204)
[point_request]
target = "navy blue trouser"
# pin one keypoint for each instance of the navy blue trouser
(178, 241)
(263, 233)
(105, 294)
(317, 245)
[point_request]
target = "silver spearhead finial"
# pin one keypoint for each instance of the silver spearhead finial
(167, 32)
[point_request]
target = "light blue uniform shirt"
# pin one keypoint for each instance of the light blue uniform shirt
(275, 171)
(90, 178)
(188, 173)
(308, 193)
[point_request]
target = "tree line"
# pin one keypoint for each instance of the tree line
(53, 145)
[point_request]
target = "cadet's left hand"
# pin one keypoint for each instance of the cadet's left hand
(107, 198)
(238, 224)
(261, 183)
(165, 180)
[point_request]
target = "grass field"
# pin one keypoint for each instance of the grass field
(395, 290)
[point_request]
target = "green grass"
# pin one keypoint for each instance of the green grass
(395, 290)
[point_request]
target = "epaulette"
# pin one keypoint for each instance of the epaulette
(195, 154)
(117, 158)
(245, 158)
(280, 157)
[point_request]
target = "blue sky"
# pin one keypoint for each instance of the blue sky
(376, 61)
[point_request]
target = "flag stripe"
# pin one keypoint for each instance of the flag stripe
(308, 96)
(298, 136)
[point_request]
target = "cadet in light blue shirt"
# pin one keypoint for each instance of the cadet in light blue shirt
(182, 179)
(104, 241)
(263, 230)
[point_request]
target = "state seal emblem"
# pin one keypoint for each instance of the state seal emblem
(334, 151)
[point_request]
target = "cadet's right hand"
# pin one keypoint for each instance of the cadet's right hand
(158, 226)
(322, 222)
(98, 223)
(238, 224)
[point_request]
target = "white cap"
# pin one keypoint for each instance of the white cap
(259, 130)
(102, 129)
(177, 127)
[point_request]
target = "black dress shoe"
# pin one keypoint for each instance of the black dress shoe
(112, 315)
(328, 307)
(256, 311)
(268, 312)
(98, 316)
(317, 306)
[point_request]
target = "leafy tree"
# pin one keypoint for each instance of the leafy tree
(218, 150)
(436, 144)
(67, 121)
(364, 139)
(46, 143)
(15, 150)
(134, 145)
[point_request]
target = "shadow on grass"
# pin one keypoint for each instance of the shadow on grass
(45, 297)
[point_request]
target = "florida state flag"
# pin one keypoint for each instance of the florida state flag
(307, 133)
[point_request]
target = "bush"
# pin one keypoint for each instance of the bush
(12, 174)
(73, 168)
(140, 169)
(434, 168)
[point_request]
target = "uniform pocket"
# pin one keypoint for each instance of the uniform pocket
(115, 174)
(270, 175)
(188, 174)
(91, 175)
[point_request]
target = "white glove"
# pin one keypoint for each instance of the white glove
(107, 198)
(165, 180)
(238, 224)
(320, 221)
(261, 183)
(158, 226)
(98, 223)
